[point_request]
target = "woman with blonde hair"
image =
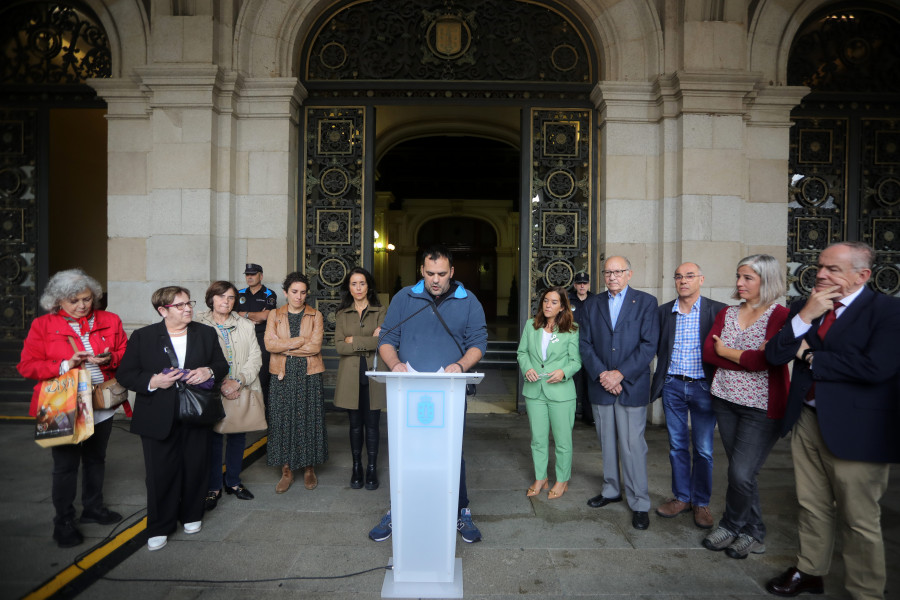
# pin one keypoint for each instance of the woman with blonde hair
(749, 398)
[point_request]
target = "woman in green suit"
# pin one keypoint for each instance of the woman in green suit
(548, 356)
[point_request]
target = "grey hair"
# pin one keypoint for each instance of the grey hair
(627, 262)
(771, 279)
(862, 255)
(690, 262)
(68, 284)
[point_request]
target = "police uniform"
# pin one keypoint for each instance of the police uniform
(580, 378)
(263, 299)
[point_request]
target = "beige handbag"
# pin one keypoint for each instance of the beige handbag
(109, 394)
(246, 413)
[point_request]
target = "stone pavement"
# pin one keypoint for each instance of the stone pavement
(308, 543)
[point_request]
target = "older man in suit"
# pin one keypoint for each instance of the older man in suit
(844, 409)
(683, 380)
(619, 333)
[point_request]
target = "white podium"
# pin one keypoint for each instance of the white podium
(425, 416)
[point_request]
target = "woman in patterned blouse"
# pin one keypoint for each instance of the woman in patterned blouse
(749, 398)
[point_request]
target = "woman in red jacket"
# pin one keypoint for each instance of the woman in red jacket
(69, 299)
(749, 396)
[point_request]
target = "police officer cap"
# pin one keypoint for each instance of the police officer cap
(582, 278)
(252, 269)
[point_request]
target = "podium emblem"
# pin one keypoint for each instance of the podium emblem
(425, 410)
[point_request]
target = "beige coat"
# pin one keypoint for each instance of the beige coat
(364, 345)
(247, 358)
(309, 343)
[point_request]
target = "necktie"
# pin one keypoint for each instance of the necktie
(826, 324)
(828, 321)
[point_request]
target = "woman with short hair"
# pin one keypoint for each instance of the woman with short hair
(749, 398)
(237, 338)
(176, 454)
(71, 300)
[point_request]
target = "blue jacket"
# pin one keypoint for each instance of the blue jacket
(421, 340)
(628, 348)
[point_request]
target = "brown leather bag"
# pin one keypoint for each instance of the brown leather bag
(246, 413)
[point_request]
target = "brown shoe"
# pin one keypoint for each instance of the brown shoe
(287, 478)
(309, 478)
(702, 517)
(672, 508)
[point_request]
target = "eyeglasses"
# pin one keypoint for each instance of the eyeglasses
(182, 305)
(688, 277)
(617, 273)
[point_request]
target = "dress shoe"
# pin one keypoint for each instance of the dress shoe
(535, 489)
(287, 478)
(310, 481)
(672, 508)
(640, 519)
(702, 517)
(102, 515)
(598, 501)
(793, 582)
(557, 493)
(212, 500)
(67, 535)
(240, 491)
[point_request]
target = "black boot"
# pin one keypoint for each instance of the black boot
(356, 441)
(373, 437)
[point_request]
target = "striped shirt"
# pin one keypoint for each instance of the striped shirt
(100, 415)
(687, 350)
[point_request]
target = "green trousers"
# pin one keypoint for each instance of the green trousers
(545, 415)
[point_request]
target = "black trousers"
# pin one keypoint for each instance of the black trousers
(91, 455)
(177, 473)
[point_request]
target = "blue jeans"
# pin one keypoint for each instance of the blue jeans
(748, 436)
(234, 459)
(680, 399)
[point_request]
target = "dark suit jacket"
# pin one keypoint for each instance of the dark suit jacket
(154, 413)
(629, 347)
(856, 370)
(708, 311)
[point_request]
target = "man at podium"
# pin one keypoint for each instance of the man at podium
(434, 324)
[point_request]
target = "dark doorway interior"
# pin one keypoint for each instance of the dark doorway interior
(473, 243)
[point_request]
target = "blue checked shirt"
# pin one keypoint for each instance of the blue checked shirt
(687, 351)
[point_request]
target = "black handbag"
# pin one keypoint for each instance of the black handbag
(196, 405)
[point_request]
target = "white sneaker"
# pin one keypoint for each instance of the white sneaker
(156, 542)
(193, 527)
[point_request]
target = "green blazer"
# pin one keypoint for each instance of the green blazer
(562, 353)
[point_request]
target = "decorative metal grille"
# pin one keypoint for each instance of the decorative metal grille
(18, 219)
(52, 43)
(448, 40)
(560, 198)
(333, 192)
(845, 150)
(848, 50)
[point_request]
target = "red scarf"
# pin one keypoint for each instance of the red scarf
(83, 323)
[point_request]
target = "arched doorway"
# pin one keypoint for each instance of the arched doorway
(362, 58)
(845, 141)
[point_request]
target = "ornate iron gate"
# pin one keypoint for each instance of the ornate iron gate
(333, 220)
(560, 199)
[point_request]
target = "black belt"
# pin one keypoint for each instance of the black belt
(686, 378)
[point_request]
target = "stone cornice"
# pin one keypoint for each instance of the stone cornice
(772, 105)
(626, 101)
(269, 97)
(124, 98)
(707, 92)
